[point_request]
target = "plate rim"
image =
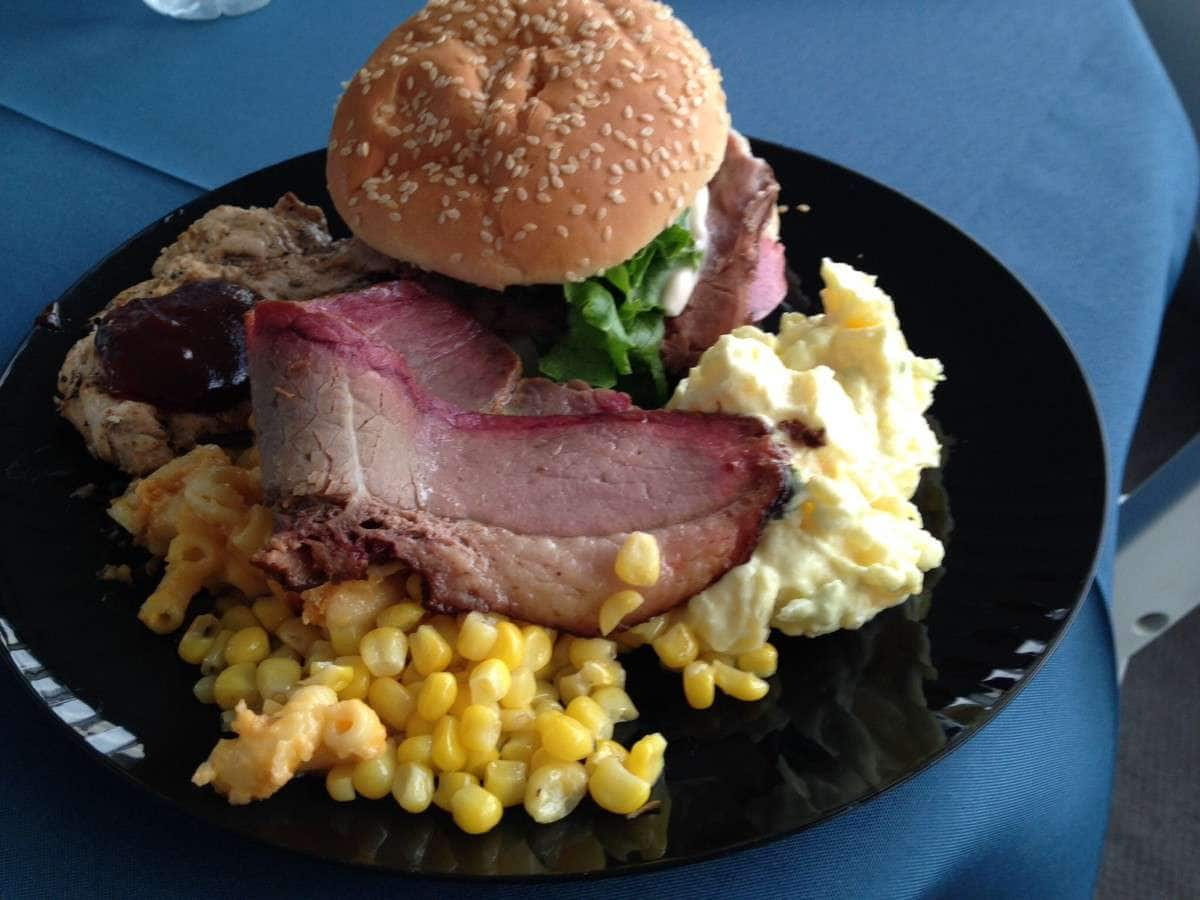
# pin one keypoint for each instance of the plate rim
(623, 869)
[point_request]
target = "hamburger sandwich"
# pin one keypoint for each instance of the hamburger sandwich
(581, 144)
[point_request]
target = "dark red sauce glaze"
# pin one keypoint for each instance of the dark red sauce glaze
(184, 351)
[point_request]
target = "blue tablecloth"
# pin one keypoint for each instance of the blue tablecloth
(1047, 131)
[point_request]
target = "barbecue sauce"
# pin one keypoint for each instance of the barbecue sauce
(183, 352)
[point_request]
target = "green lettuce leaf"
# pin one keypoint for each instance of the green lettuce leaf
(615, 321)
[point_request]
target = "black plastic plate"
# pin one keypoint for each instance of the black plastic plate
(848, 716)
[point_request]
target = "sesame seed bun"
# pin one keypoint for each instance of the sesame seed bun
(502, 142)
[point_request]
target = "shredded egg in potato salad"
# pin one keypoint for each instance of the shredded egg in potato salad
(477, 713)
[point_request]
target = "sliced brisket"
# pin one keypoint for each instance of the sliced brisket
(523, 514)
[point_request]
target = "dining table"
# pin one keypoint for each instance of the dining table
(1049, 132)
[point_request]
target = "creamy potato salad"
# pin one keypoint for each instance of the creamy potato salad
(849, 397)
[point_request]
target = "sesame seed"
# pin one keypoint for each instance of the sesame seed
(627, 112)
(606, 234)
(364, 149)
(486, 237)
(657, 195)
(395, 217)
(616, 197)
(456, 257)
(601, 213)
(561, 231)
(578, 209)
(615, 168)
(543, 197)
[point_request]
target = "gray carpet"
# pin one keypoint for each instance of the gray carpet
(1153, 846)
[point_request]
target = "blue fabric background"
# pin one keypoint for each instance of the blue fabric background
(1047, 131)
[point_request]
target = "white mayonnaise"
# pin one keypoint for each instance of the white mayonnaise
(682, 281)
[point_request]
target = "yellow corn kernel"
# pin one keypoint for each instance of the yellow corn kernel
(430, 651)
(592, 716)
(405, 616)
(214, 659)
(204, 689)
(373, 777)
(762, 661)
(740, 685)
(447, 627)
(542, 757)
(318, 651)
(603, 673)
(299, 636)
(238, 617)
(565, 738)
(676, 647)
(411, 678)
(447, 752)
(250, 644)
(418, 727)
(198, 639)
(605, 749)
(345, 638)
(476, 635)
(412, 786)
(330, 674)
(712, 656)
(339, 783)
(516, 719)
(646, 757)
(436, 696)
(392, 701)
(275, 677)
(638, 561)
(414, 588)
(418, 749)
(475, 809)
(521, 689)
(521, 746)
(616, 703)
(509, 647)
(580, 650)
(477, 761)
(617, 607)
(505, 778)
(236, 683)
(616, 789)
(539, 646)
(463, 698)
(572, 685)
(384, 650)
(645, 632)
(553, 791)
(480, 727)
(449, 784)
(699, 685)
(544, 692)
(283, 651)
(490, 680)
(271, 612)
(360, 678)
